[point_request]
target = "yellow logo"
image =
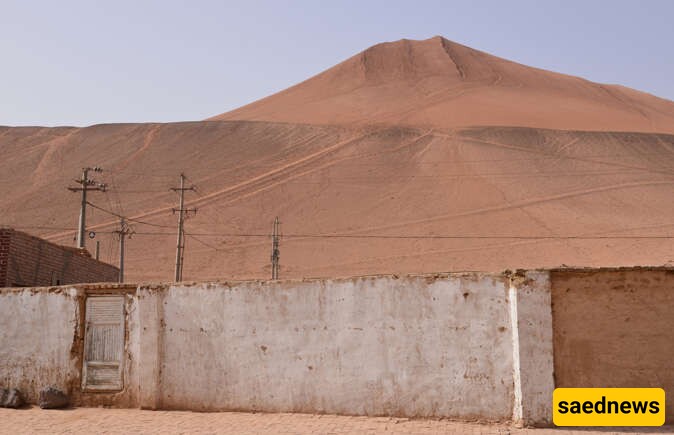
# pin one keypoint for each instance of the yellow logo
(608, 407)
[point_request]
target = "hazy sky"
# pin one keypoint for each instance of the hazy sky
(87, 62)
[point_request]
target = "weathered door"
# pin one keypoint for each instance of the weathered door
(103, 343)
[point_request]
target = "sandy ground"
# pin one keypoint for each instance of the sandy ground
(124, 421)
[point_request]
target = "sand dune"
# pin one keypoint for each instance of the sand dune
(391, 162)
(482, 185)
(439, 83)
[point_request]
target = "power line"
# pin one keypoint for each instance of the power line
(372, 236)
(144, 174)
(128, 218)
(421, 236)
(139, 191)
(208, 245)
(401, 236)
(21, 228)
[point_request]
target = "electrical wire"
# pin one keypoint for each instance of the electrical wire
(138, 221)
(42, 228)
(427, 236)
(405, 236)
(202, 242)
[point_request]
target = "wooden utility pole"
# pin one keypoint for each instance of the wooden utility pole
(123, 232)
(182, 213)
(86, 185)
(275, 253)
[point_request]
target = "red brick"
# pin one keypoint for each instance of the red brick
(31, 261)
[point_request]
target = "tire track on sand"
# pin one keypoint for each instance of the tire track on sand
(511, 205)
(252, 182)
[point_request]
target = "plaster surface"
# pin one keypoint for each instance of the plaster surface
(531, 317)
(41, 343)
(38, 345)
(413, 346)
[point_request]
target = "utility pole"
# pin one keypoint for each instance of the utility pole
(182, 214)
(275, 253)
(123, 232)
(86, 185)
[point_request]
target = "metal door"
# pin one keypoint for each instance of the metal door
(103, 343)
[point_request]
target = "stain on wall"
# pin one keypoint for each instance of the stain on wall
(38, 331)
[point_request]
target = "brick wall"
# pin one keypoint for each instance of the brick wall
(5, 235)
(26, 260)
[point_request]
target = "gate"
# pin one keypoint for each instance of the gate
(103, 343)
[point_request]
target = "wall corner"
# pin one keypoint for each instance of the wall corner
(533, 364)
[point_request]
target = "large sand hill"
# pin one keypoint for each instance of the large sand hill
(437, 83)
(413, 156)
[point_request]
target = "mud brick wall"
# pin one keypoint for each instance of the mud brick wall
(614, 328)
(26, 260)
(5, 236)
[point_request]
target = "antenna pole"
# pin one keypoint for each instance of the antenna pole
(182, 212)
(123, 231)
(275, 253)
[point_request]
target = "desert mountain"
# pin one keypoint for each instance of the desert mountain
(441, 84)
(414, 156)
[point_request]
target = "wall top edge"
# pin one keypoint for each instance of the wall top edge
(85, 287)
(102, 287)
(581, 269)
(506, 274)
(338, 279)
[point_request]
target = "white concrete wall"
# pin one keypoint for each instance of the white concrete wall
(129, 396)
(41, 343)
(414, 346)
(37, 334)
(533, 363)
(456, 346)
